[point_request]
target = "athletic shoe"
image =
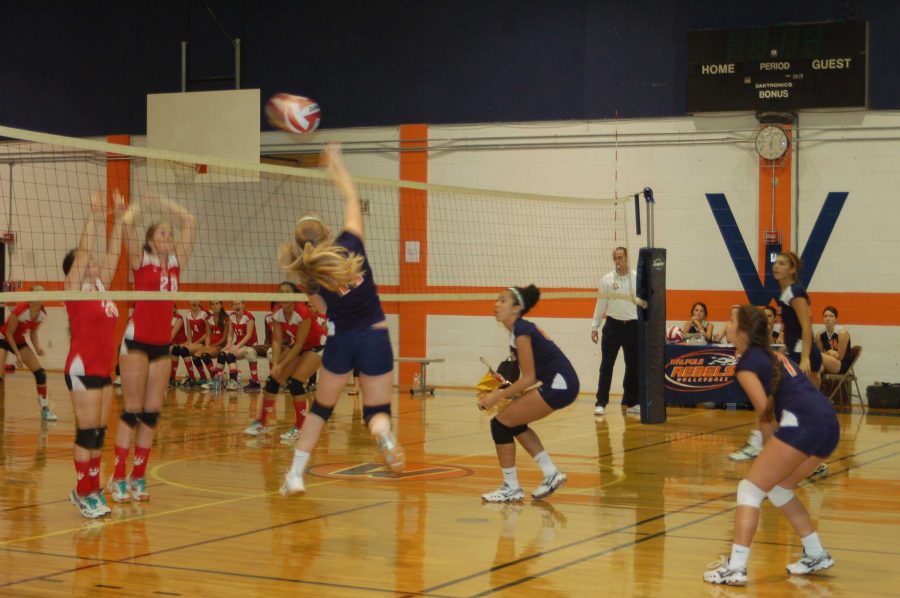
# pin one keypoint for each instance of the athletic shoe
(233, 385)
(746, 453)
(633, 410)
(201, 383)
(293, 485)
(599, 410)
(820, 472)
(291, 435)
(139, 490)
(252, 386)
(119, 490)
(808, 564)
(47, 415)
(117, 381)
(103, 508)
(88, 505)
(504, 493)
(393, 452)
(173, 383)
(722, 573)
(256, 428)
(551, 484)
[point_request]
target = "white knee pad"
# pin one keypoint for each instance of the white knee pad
(779, 497)
(749, 494)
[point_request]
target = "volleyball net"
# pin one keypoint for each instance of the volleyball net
(424, 242)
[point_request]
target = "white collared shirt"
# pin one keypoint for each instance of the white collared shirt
(619, 309)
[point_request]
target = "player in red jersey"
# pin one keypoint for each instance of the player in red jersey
(217, 333)
(144, 356)
(307, 363)
(243, 337)
(92, 325)
(291, 333)
(264, 349)
(27, 317)
(178, 340)
(197, 322)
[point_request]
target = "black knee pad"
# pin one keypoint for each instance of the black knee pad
(131, 419)
(272, 386)
(90, 438)
(232, 358)
(516, 430)
(501, 433)
(295, 387)
(321, 410)
(150, 418)
(207, 358)
(222, 358)
(198, 363)
(370, 411)
(40, 376)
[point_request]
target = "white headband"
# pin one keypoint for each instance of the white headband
(305, 218)
(517, 295)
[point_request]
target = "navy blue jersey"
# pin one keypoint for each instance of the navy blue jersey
(358, 305)
(548, 359)
(793, 331)
(795, 394)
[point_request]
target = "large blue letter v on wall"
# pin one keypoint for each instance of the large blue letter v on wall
(762, 292)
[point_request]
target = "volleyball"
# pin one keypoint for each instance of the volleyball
(675, 334)
(294, 114)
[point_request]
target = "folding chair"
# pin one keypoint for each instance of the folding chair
(844, 383)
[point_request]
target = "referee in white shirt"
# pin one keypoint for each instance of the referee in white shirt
(619, 332)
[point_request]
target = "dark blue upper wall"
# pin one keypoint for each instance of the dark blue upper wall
(85, 68)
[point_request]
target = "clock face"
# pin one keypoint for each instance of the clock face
(771, 142)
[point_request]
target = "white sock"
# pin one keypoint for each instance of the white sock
(739, 556)
(812, 546)
(301, 458)
(755, 439)
(43, 401)
(509, 476)
(547, 466)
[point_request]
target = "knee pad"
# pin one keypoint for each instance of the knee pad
(232, 358)
(150, 418)
(501, 433)
(197, 361)
(90, 438)
(516, 430)
(40, 376)
(206, 357)
(131, 419)
(272, 386)
(321, 410)
(370, 411)
(295, 387)
(779, 496)
(222, 358)
(749, 494)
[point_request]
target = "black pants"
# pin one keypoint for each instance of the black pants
(619, 334)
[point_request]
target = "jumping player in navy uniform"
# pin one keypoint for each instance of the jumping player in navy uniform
(799, 429)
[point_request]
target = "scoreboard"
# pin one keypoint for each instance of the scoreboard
(778, 69)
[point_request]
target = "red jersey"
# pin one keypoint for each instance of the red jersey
(216, 332)
(239, 327)
(150, 322)
(26, 323)
(197, 325)
(289, 325)
(93, 331)
(269, 322)
(319, 330)
(180, 337)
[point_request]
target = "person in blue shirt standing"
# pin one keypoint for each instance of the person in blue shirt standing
(800, 429)
(540, 360)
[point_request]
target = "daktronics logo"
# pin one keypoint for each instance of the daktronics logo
(700, 371)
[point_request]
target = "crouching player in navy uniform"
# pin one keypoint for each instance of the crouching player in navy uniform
(540, 360)
(799, 430)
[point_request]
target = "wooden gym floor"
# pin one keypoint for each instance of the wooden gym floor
(645, 509)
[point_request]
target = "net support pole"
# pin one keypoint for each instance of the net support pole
(651, 287)
(184, 66)
(237, 63)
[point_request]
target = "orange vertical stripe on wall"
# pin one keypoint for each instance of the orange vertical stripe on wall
(413, 229)
(783, 202)
(118, 177)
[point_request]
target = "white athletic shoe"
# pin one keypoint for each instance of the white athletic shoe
(504, 493)
(47, 415)
(808, 564)
(88, 505)
(119, 490)
(820, 472)
(393, 452)
(101, 501)
(256, 429)
(551, 484)
(746, 453)
(233, 385)
(633, 410)
(293, 485)
(117, 381)
(599, 410)
(291, 435)
(721, 572)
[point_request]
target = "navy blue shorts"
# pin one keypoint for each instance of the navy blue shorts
(815, 358)
(817, 440)
(368, 350)
(561, 391)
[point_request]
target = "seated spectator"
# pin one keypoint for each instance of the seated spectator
(698, 323)
(774, 326)
(834, 343)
